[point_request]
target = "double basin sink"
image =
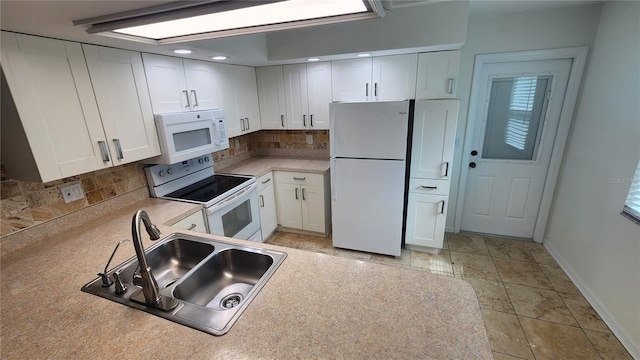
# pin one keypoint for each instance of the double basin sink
(213, 281)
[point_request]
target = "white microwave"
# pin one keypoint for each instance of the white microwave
(187, 135)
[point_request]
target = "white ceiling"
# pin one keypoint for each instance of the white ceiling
(54, 18)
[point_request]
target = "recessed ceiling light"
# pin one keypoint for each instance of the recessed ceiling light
(219, 57)
(182, 51)
(313, 59)
(363, 55)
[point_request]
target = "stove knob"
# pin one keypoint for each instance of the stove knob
(206, 159)
(169, 171)
(161, 173)
(200, 161)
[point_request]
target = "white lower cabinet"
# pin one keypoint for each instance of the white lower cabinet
(267, 203)
(426, 218)
(302, 201)
(193, 222)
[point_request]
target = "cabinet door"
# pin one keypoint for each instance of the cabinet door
(437, 75)
(288, 209)
(426, 217)
(247, 97)
(270, 81)
(167, 83)
(434, 132)
(227, 90)
(267, 203)
(394, 77)
(313, 214)
(201, 83)
(319, 91)
(296, 97)
(120, 87)
(52, 92)
(351, 80)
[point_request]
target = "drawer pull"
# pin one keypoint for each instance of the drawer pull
(299, 178)
(266, 181)
(193, 226)
(428, 187)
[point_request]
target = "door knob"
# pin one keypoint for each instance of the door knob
(474, 152)
(472, 165)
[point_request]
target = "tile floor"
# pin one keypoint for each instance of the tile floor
(531, 309)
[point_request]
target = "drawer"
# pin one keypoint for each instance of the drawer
(429, 186)
(299, 178)
(265, 180)
(194, 222)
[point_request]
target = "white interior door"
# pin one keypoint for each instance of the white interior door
(513, 139)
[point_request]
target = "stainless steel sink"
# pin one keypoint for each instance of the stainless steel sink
(213, 281)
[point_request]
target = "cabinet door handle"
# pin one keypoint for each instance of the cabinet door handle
(428, 187)
(450, 85)
(118, 149)
(442, 210)
(299, 178)
(297, 194)
(446, 169)
(303, 195)
(375, 90)
(311, 119)
(266, 181)
(241, 124)
(248, 123)
(195, 98)
(282, 120)
(104, 151)
(366, 90)
(186, 93)
(261, 201)
(304, 120)
(193, 226)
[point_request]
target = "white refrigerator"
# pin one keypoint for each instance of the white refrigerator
(368, 146)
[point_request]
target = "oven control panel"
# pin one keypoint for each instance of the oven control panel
(160, 174)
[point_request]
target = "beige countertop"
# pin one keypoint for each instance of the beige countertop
(260, 165)
(315, 306)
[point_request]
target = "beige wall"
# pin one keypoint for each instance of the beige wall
(598, 247)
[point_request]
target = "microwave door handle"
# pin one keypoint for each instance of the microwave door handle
(230, 199)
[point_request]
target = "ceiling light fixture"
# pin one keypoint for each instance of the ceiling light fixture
(181, 21)
(363, 55)
(182, 51)
(219, 57)
(313, 59)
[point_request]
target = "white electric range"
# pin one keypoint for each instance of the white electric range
(229, 202)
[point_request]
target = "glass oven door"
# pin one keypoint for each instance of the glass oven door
(237, 216)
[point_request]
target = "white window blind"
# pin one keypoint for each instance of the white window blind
(632, 205)
(520, 106)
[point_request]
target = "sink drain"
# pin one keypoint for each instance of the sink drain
(231, 301)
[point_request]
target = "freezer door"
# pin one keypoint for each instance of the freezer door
(372, 130)
(366, 204)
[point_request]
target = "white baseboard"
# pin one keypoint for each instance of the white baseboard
(632, 346)
(449, 229)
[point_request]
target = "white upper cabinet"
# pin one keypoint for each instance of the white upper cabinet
(271, 97)
(374, 79)
(120, 88)
(319, 92)
(296, 97)
(238, 98)
(434, 132)
(54, 130)
(437, 75)
(180, 85)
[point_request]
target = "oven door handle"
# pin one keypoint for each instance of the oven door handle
(231, 198)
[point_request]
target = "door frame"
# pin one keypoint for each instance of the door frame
(579, 57)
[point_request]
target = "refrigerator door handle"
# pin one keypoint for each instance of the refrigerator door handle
(334, 188)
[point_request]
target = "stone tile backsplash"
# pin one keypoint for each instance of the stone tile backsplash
(26, 204)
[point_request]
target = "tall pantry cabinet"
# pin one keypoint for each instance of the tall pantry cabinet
(434, 128)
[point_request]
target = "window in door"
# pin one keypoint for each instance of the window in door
(515, 117)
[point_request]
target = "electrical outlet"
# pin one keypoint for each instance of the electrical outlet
(309, 139)
(72, 192)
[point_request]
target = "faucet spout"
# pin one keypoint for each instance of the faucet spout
(150, 293)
